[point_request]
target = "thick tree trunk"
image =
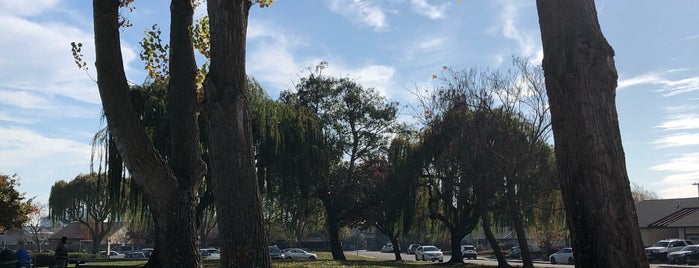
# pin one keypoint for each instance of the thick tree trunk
(165, 193)
(239, 209)
(455, 237)
(487, 229)
(333, 234)
(516, 214)
(581, 82)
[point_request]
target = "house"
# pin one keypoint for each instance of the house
(668, 218)
(80, 239)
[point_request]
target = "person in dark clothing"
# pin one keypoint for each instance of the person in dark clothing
(62, 253)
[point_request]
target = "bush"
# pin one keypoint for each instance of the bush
(42, 259)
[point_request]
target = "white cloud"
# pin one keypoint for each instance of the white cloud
(647, 78)
(272, 61)
(431, 11)
(360, 11)
(528, 41)
(669, 87)
(684, 163)
(681, 122)
(26, 8)
(374, 76)
(37, 158)
(679, 139)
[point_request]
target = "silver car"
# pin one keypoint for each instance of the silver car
(430, 253)
(565, 255)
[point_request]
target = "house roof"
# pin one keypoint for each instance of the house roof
(78, 231)
(681, 212)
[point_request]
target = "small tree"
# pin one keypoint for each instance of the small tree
(34, 228)
(14, 207)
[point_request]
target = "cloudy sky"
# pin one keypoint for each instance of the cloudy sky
(49, 110)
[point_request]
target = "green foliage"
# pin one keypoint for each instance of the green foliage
(42, 259)
(14, 207)
(155, 55)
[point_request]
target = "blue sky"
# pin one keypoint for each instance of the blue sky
(49, 110)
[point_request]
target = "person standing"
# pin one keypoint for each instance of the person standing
(62, 253)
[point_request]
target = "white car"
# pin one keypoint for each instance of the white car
(565, 255)
(112, 254)
(430, 253)
(469, 252)
(210, 254)
(297, 253)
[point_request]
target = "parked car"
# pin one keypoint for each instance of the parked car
(210, 254)
(275, 253)
(431, 253)
(297, 253)
(147, 251)
(565, 255)
(135, 255)
(515, 252)
(411, 249)
(388, 247)
(683, 256)
(469, 252)
(662, 248)
(112, 254)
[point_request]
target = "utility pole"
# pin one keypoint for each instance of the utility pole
(697, 184)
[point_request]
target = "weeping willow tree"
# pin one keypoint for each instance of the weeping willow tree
(85, 200)
(393, 199)
(288, 149)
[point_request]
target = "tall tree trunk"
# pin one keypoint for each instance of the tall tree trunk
(455, 237)
(581, 82)
(516, 214)
(166, 194)
(396, 246)
(487, 229)
(236, 193)
(334, 234)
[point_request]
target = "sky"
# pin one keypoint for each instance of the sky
(50, 109)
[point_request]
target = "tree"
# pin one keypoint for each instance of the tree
(639, 193)
(454, 168)
(85, 200)
(170, 185)
(393, 201)
(227, 111)
(14, 209)
(581, 80)
(34, 226)
(354, 122)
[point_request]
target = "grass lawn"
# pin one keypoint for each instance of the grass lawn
(324, 261)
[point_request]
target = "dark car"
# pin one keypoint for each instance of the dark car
(275, 253)
(135, 255)
(688, 254)
(411, 249)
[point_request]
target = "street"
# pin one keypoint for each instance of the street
(485, 260)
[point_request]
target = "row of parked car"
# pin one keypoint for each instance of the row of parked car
(430, 252)
(675, 250)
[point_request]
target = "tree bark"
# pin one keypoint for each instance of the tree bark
(169, 197)
(333, 234)
(485, 220)
(516, 213)
(236, 193)
(455, 237)
(581, 82)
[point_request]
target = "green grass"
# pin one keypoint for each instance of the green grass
(324, 261)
